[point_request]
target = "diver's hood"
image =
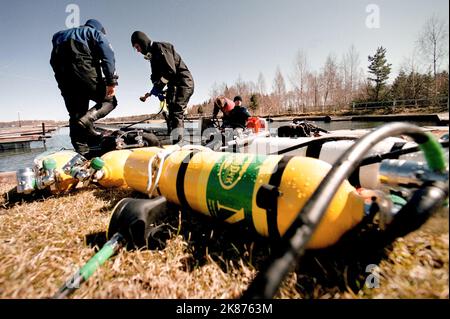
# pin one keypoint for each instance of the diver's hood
(143, 40)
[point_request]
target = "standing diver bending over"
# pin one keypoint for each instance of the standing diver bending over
(78, 58)
(168, 68)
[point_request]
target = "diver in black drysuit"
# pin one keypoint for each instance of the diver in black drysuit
(168, 68)
(78, 58)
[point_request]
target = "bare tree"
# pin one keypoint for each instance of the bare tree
(299, 77)
(433, 42)
(409, 67)
(215, 91)
(241, 86)
(329, 78)
(409, 63)
(252, 87)
(313, 90)
(279, 87)
(261, 84)
(350, 65)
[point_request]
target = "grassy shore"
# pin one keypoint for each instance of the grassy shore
(43, 242)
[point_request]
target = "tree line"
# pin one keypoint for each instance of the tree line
(341, 81)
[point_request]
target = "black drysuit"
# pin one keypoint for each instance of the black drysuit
(78, 58)
(169, 69)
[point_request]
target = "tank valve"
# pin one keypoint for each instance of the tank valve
(26, 180)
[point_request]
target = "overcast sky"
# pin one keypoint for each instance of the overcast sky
(219, 41)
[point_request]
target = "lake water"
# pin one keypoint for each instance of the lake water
(12, 161)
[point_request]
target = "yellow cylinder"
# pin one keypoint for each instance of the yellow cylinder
(226, 185)
(64, 182)
(135, 170)
(113, 170)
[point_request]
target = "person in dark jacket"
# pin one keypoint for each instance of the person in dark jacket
(78, 58)
(239, 115)
(234, 114)
(168, 69)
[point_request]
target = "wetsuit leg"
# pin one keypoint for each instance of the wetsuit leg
(177, 102)
(103, 107)
(77, 105)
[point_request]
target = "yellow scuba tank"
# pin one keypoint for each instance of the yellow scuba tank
(264, 192)
(112, 172)
(59, 172)
(111, 175)
(63, 181)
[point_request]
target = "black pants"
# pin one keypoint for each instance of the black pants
(77, 96)
(177, 101)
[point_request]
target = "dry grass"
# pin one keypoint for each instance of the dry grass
(42, 243)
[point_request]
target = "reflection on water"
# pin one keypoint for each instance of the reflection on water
(14, 160)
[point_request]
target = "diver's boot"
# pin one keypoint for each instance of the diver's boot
(82, 149)
(177, 133)
(95, 113)
(87, 122)
(167, 119)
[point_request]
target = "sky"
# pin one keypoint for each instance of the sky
(220, 41)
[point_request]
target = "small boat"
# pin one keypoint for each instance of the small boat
(306, 139)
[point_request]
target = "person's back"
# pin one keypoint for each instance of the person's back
(71, 53)
(81, 54)
(80, 57)
(238, 117)
(167, 63)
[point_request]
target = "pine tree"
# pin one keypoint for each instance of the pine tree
(399, 87)
(254, 103)
(380, 70)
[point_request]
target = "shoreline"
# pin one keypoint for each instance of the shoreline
(439, 117)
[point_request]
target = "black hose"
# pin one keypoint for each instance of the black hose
(293, 243)
(146, 119)
(394, 154)
(367, 161)
(423, 203)
(315, 142)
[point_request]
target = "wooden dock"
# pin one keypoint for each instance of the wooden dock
(19, 138)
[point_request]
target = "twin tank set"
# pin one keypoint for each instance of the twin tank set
(265, 192)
